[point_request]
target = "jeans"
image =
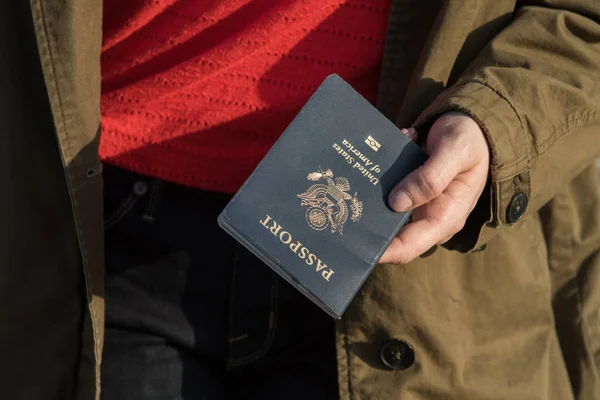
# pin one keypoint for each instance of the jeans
(191, 314)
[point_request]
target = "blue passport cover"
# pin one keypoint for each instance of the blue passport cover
(315, 209)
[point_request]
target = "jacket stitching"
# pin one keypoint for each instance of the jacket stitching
(503, 98)
(569, 125)
(527, 155)
(58, 100)
(572, 122)
(512, 164)
(347, 347)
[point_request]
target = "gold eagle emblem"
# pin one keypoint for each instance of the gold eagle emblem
(327, 202)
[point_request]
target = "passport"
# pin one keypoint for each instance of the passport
(315, 208)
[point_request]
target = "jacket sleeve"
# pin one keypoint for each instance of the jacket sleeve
(535, 92)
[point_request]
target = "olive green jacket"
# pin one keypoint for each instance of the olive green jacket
(508, 309)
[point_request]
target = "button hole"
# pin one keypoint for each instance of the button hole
(92, 172)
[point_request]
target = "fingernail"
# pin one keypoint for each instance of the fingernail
(411, 133)
(400, 201)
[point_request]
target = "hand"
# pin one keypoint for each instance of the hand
(444, 190)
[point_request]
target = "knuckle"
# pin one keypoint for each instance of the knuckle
(429, 182)
(462, 143)
(463, 151)
(446, 217)
(458, 226)
(444, 240)
(403, 258)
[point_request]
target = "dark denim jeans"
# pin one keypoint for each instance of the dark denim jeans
(190, 314)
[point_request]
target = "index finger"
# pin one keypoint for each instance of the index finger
(441, 218)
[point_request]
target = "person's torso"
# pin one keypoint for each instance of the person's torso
(68, 37)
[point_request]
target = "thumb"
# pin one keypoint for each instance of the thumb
(429, 180)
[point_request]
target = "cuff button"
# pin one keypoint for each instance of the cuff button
(516, 208)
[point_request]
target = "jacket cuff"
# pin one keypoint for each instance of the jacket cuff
(504, 201)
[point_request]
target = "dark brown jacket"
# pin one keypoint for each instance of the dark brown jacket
(519, 319)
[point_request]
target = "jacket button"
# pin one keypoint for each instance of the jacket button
(517, 207)
(397, 354)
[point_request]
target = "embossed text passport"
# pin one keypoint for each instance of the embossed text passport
(315, 209)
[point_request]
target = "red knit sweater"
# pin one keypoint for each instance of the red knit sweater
(196, 92)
